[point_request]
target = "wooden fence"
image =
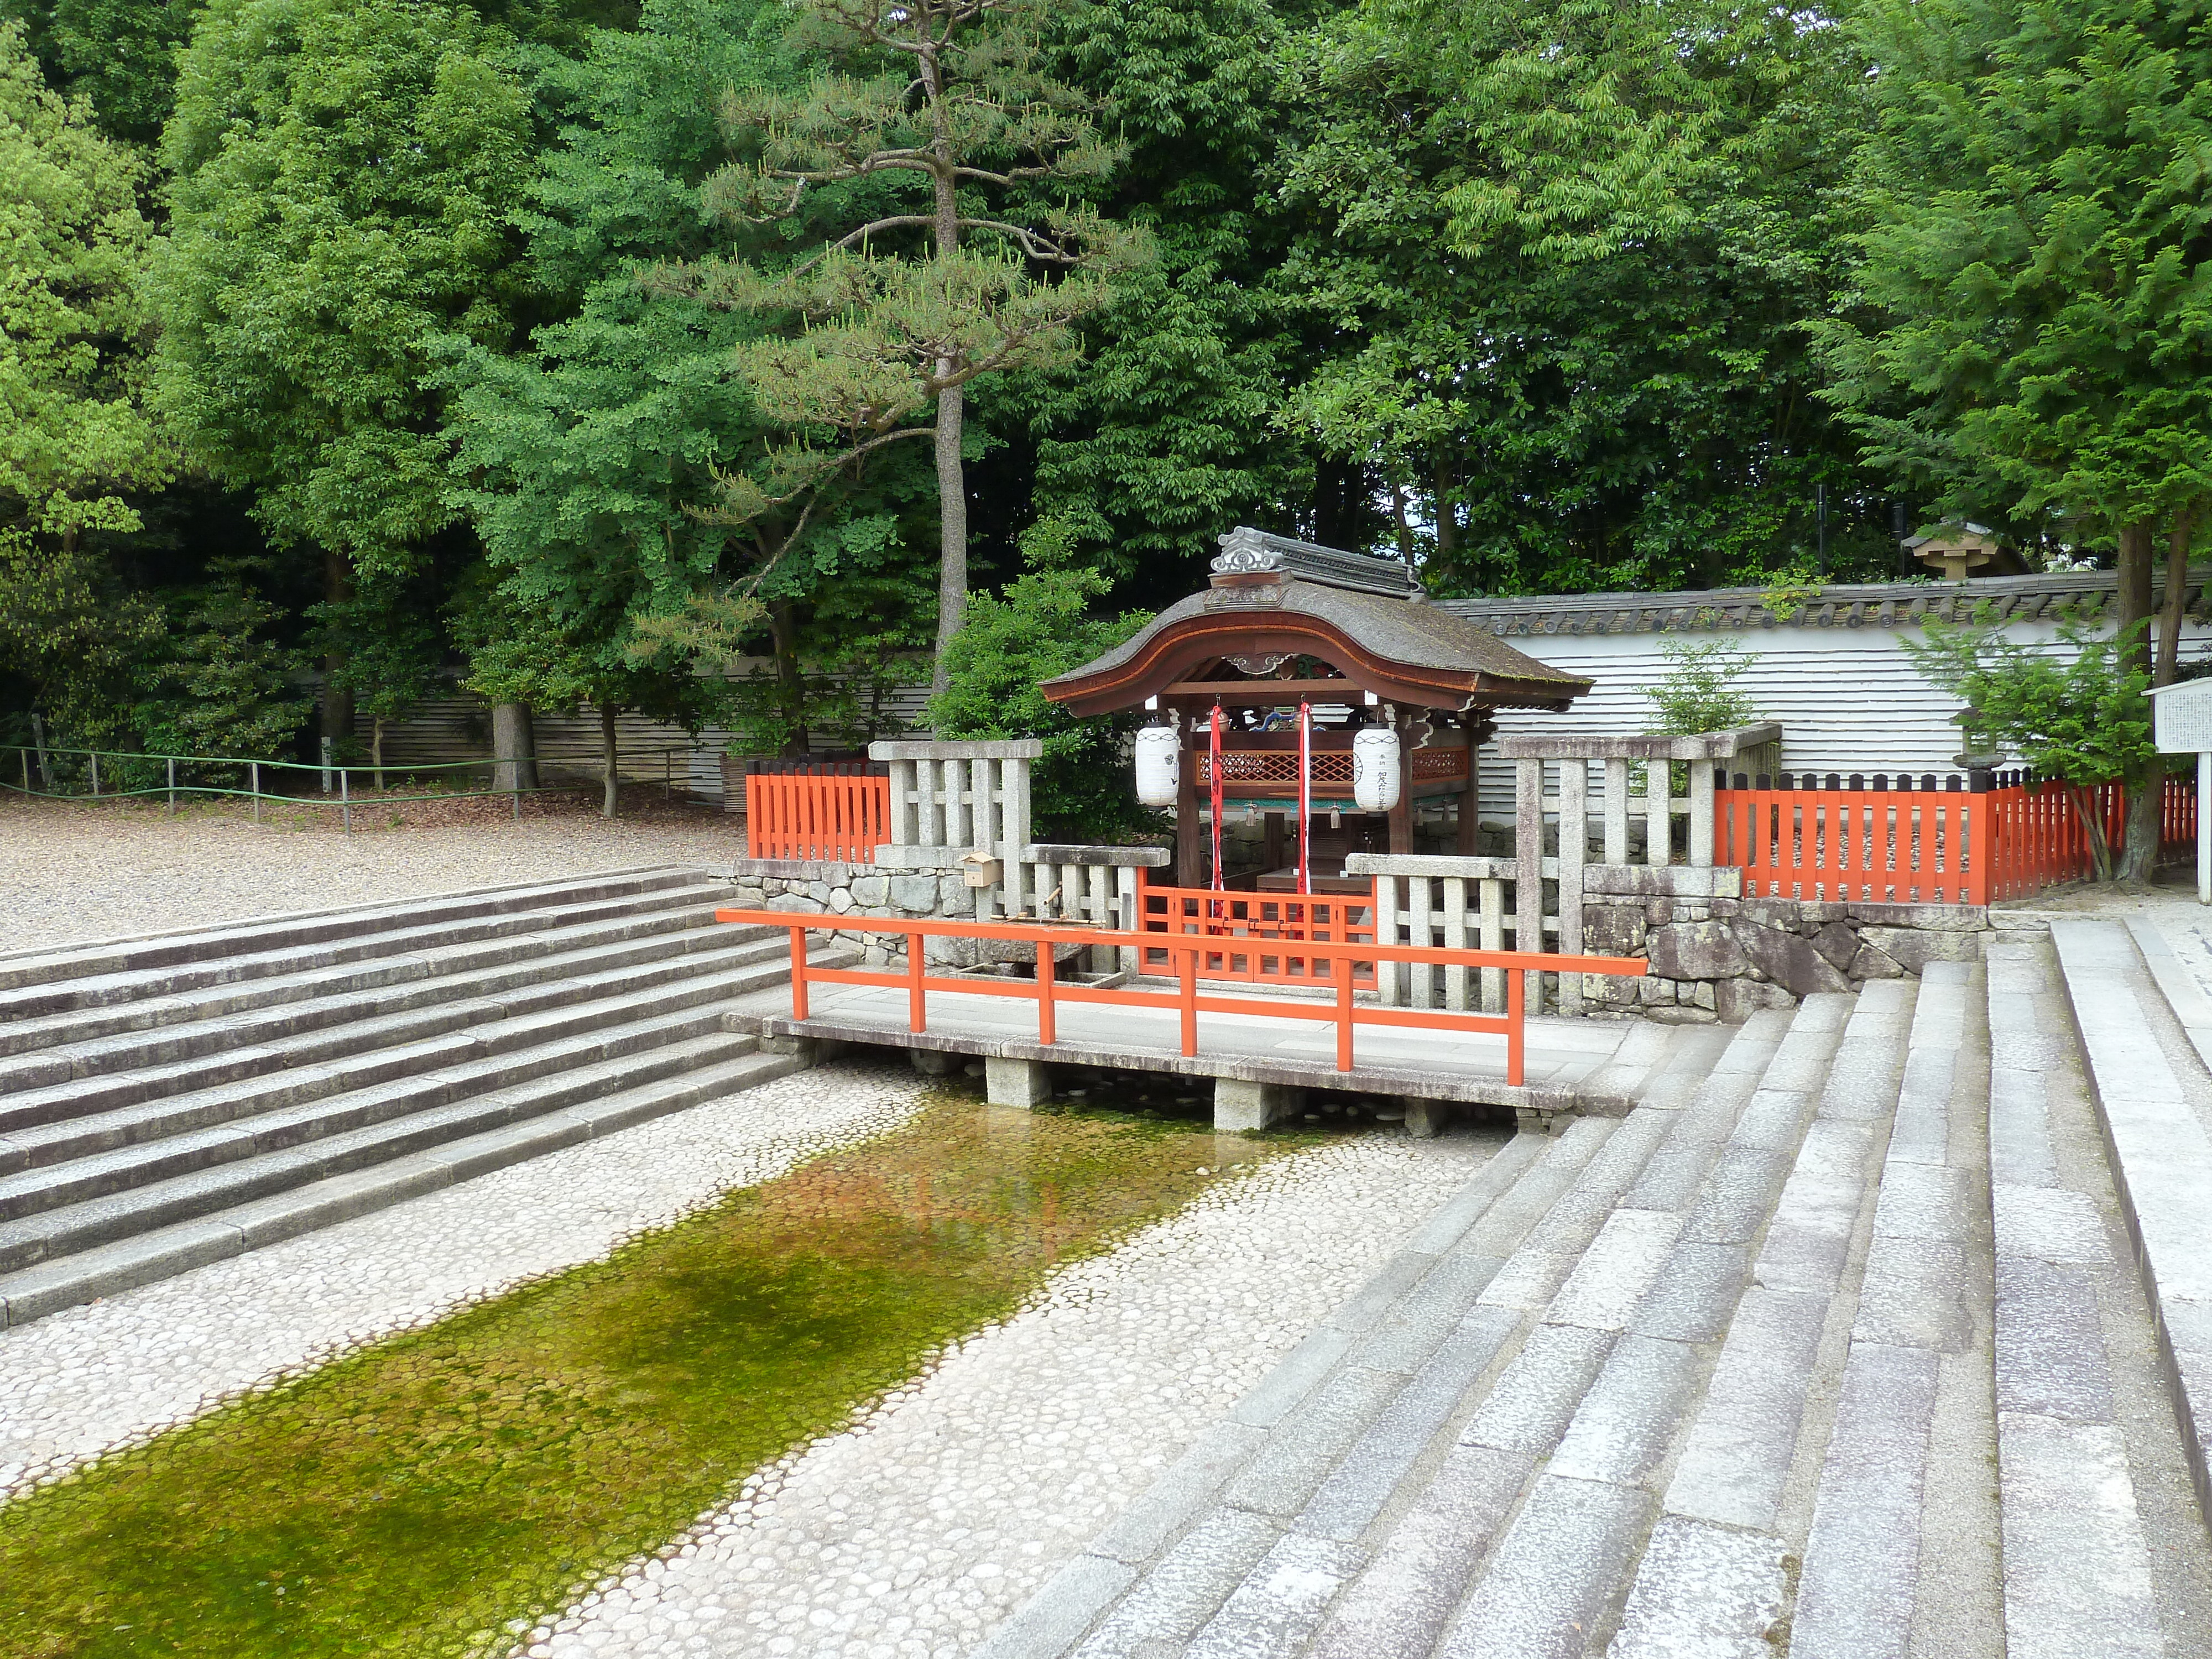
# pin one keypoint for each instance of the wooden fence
(833, 811)
(1925, 840)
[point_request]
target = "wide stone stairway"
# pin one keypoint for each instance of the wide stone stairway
(171, 1101)
(1832, 1347)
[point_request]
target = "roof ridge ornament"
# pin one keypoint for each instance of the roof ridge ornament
(1246, 552)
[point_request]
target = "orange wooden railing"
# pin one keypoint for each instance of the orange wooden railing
(1256, 932)
(831, 812)
(1185, 954)
(1917, 843)
(1901, 845)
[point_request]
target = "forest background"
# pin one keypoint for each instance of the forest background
(575, 350)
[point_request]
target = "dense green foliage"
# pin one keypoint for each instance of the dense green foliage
(1041, 628)
(701, 358)
(344, 177)
(2032, 336)
(75, 438)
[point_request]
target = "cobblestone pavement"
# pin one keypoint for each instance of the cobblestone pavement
(922, 1527)
(112, 1372)
(76, 873)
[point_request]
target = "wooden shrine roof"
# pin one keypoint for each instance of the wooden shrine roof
(1274, 598)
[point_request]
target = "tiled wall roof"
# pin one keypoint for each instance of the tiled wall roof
(1870, 605)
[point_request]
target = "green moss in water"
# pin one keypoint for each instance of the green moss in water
(415, 1496)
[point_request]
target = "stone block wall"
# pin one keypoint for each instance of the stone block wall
(855, 889)
(1717, 956)
(871, 890)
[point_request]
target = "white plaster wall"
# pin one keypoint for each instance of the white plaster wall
(1848, 699)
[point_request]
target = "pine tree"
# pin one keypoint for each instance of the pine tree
(916, 178)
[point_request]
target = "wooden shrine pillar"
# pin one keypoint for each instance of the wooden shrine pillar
(1401, 815)
(1190, 838)
(1478, 729)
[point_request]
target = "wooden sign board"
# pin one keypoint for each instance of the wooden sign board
(2181, 724)
(2182, 717)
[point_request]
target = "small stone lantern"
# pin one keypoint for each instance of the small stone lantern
(1978, 748)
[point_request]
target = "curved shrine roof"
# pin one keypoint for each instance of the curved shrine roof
(1274, 597)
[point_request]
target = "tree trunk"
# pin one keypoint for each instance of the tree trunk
(611, 804)
(337, 703)
(1405, 528)
(2084, 801)
(2176, 600)
(1447, 520)
(2131, 617)
(783, 632)
(513, 747)
(951, 477)
(376, 750)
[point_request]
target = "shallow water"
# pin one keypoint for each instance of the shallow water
(420, 1495)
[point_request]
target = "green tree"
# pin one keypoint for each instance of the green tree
(1568, 249)
(588, 461)
(220, 686)
(119, 54)
(2032, 332)
(75, 438)
(1698, 692)
(518, 653)
(1166, 431)
(1041, 627)
(345, 175)
(387, 648)
(2077, 714)
(916, 181)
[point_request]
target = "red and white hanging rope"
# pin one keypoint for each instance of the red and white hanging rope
(1214, 778)
(1305, 797)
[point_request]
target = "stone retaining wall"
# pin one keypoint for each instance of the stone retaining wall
(859, 890)
(1717, 956)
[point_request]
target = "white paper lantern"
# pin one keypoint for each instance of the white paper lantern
(1375, 768)
(1159, 764)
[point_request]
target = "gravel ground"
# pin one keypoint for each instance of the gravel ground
(90, 1378)
(918, 1530)
(73, 872)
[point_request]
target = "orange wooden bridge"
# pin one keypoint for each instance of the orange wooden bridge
(1308, 961)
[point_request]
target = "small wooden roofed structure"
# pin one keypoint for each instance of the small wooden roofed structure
(1287, 620)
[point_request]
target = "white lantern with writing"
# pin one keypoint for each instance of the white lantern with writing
(1159, 765)
(1375, 768)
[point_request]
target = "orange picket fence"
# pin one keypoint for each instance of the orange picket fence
(1918, 842)
(828, 811)
(1256, 936)
(1337, 967)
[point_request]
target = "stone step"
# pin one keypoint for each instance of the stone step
(1711, 1573)
(499, 1053)
(2079, 1557)
(366, 1047)
(1893, 1483)
(1290, 1525)
(145, 1257)
(514, 959)
(2160, 1152)
(638, 949)
(1593, 1405)
(183, 946)
(301, 1141)
(36, 1131)
(186, 967)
